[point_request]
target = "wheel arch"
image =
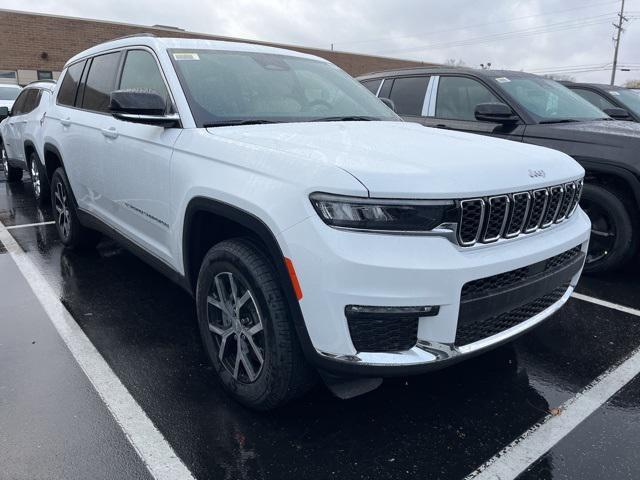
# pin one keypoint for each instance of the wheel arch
(52, 159)
(233, 221)
(29, 148)
(614, 176)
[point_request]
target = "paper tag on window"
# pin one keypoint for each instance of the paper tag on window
(186, 56)
(617, 94)
(502, 80)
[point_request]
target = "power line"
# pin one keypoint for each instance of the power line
(467, 27)
(550, 28)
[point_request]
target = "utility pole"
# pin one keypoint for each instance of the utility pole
(619, 30)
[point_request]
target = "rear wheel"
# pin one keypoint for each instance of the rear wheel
(246, 329)
(38, 181)
(71, 232)
(12, 174)
(612, 236)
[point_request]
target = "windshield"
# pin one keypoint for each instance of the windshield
(228, 87)
(548, 101)
(9, 93)
(629, 98)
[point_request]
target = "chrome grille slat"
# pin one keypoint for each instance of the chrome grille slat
(489, 219)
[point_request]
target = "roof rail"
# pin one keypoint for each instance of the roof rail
(141, 34)
(45, 80)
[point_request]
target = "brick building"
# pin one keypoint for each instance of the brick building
(36, 46)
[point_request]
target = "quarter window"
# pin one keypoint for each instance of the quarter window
(69, 87)
(18, 105)
(408, 94)
(372, 85)
(141, 72)
(100, 82)
(458, 97)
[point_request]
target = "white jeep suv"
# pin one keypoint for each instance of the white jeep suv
(317, 232)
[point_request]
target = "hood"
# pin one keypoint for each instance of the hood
(610, 131)
(407, 160)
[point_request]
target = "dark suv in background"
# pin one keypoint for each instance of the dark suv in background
(617, 102)
(526, 108)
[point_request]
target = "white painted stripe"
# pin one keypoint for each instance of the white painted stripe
(25, 225)
(154, 450)
(604, 303)
(533, 444)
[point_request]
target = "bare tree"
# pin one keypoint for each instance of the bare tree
(452, 62)
(632, 84)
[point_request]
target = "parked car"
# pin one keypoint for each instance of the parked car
(8, 94)
(526, 108)
(19, 136)
(617, 102)
(316, 230)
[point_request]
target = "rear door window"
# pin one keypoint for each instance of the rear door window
(458, 97)
(101, 81)
(69, 87)
(408, 95)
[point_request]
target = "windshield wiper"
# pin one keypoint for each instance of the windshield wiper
(561, 120)
(349, 118)
(231, 123)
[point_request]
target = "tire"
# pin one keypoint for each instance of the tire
(71, 232)
(39, 181)
(12, 174)
(612, 229)
(263, 316)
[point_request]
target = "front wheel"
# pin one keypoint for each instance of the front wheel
(245, 327)
(612, 234)
(12, 174)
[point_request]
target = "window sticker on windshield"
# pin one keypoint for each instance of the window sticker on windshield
(617, 94)
(502, 80)
(186, 56)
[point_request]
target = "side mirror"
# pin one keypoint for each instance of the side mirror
(495, 112)
(617, 113)
(389, 103)
(4, 113)
(141, 106)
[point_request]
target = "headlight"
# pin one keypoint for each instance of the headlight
(382, 214)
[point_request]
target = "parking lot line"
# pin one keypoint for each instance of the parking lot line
(13, 227)
(604, 303)
(154, 450)
(538, 440)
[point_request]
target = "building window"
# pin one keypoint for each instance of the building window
(45, 75)
(8, 75)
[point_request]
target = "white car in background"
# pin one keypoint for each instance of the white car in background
(313, 227)
(19, 135)
(8, 95)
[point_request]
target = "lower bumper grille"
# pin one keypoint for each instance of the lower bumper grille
(470, 332)
(383, 334)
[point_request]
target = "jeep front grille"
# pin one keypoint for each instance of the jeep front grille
(486, 220)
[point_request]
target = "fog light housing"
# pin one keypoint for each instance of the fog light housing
(391, 312)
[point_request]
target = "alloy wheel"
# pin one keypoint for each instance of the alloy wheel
(62, 210)
(35, 179)
(236, 325)
(603, 231)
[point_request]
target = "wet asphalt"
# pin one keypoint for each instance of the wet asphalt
(441, 425)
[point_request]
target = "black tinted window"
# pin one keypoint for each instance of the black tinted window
(459, 96)
(408, 95)
(141, 72)
(69, 87)
(101, 81)
(31, 100)
(18, 105)
(372, 85)
(594, 98)
(386, 88)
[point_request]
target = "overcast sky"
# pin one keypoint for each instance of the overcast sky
(542, 36)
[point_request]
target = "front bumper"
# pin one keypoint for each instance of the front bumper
(339, 268)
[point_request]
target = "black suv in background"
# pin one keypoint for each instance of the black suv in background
(526, 108)
(617, 102)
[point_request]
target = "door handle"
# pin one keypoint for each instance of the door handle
(441, 125)
(110, 132)
(66, 122)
